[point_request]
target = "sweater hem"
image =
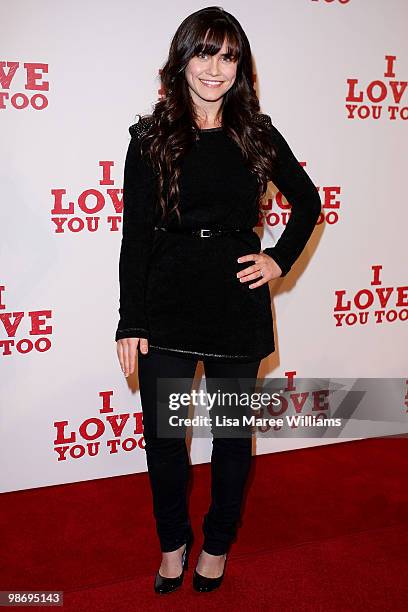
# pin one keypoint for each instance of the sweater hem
(207, 355)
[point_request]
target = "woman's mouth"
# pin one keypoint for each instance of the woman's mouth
(212, 84)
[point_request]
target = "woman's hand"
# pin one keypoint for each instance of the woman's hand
(263, 264)
(126, 348)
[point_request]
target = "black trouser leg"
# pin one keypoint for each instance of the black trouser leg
(230, 461)
(167, 458)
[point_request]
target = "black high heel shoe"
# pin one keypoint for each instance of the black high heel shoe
(164, 585)
(204, 584)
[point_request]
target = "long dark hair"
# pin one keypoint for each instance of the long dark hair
(173, 129)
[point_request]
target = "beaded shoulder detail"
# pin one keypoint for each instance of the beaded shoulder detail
(264, 119)
(140, 128)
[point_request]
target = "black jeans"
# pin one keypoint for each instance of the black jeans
(168, 460)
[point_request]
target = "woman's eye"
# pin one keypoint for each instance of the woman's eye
(203, 55)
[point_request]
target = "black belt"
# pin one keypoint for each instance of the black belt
(203, 233)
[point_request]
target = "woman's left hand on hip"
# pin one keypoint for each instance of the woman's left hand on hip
(262, 270)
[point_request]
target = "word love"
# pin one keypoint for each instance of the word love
(32, 74)
(68, 215)
(12, 323)
(383, 304)
(86, 439)
(306, 403)
(368, 102)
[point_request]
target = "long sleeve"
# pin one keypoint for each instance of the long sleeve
(295, 184)
(137, 239)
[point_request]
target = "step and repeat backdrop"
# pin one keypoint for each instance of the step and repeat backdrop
(332, 74)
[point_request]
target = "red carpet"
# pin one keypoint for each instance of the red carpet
(324, 528)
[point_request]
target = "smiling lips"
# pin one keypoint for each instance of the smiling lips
(211, 83)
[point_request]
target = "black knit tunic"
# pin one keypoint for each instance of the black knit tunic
(181, 291)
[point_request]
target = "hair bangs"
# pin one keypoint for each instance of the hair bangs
(211, 39)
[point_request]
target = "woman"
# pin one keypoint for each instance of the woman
(193, 278)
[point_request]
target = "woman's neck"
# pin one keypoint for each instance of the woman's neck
(209, 126)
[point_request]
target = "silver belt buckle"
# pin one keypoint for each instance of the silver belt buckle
(203, 235)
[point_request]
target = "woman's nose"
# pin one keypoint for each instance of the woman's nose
(214, 65)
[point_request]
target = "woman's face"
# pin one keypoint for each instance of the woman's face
(210, 76)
